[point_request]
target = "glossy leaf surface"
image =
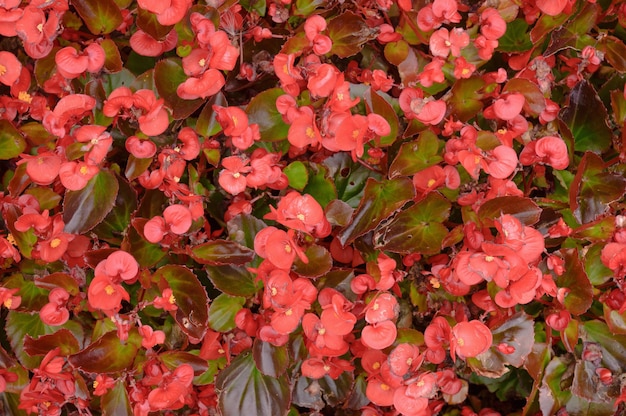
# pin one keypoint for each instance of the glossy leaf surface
(84, 209)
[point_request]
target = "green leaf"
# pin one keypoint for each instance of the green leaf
(243, 228)
(269, 359)
(114, 225)
(416, 155)
(378, 105)
(524, 209)
(466, 99)
(192, 314)
(594, 188)
(231, 279)
(516, 37)
(587, 118)
(108, 354)
(173, 359)
(47, 198)
(597, 272)
(380, 200)
(43, 344)
(25, 240)
(33, 297)
(418, 229)
(244, 390)
(223, 310)
(518, 332)
(100, 16)
(86, 208)
(600, 230)
(218, 252)
(168, 75)
(320, 186)
(574, 34)
(574, 278)
(534, 102)
(11, 141)
(113, 61)
(348, 177)
(257, 6)
(297, 174)
(348, 33)
(207, 124)
(614, 52)
(115, 402)
(305, 7)
(262, 111)
(147, 21)
(613, 346)
(320, 262)
(554, 391)
(146, 253)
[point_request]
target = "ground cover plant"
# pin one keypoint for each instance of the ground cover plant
(312, 207)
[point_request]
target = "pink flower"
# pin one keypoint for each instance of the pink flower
(469, 339)
(444, 42)
(10, 68)
(232, 179)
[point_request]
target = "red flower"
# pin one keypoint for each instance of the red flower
(75, 175)
(171, 393)
(42, 169)
(232, 179)
(509, 107)
(380, 335)
(72, 65)
(55, 313)
(492, 25)
(106, 295)
(150, 337)
(233, 120)
(404, 359)
(302, 213)
(444, 42)
(141, 149)
(408, 405)
(384, 307)
(10, 68)
(206, 85)
(469, 339)
(379, 392)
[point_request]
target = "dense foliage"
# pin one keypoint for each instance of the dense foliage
(313, 207)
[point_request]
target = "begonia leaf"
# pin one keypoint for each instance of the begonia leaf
(349, 179)
(575, 32)
(232, 279)
(11, 141)
(86, 208)
(546, 24)
(33, 298)
(597, 272)
(22, 324)
(307, 393)
(599, 230)
(113, 61)
(108, 354)
(25, 240)
(101, 16)
(338, 213)
(257, 6)
(243, 228)
(59, 279)
(168, 75)
(524, 209)
(615, 320)
(244, 390)
(36, 133)
(613, 346)
(516, 38)
(262, 111)
(465, 100)
(417, 229)
(147, 21)
(416, 155)
(336, 391)
(396, 52)
(192, 314)
(320, 186)
(116, 402)
(380, 200)
(614, 52)
(146, 253)
(136, 166)
(575, 279)
(516, 332)
(579, 406)
(348, 33)
(534, 102)
(319, 263)
(114, 225)
(269, 359)
(587, 118)
(618, 105)
(207, 124)
(47, 198)
(41, 345)
(223, 310)
(218, 252)
(305, 7)
(594, 188)
(554, 391)
(295, 43)
(297, 174)
(378, 105)
(173, 359)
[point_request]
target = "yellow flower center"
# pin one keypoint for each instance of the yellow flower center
(55, 243)
(172, 300)
(300, 217)
(489, 259)
(309, 133)
(321, 331)
(340, 96)
(460, 342)
(8, 302)
(287, 248)
(95, 384)
(109, 290)
(83, 170)
(40, 27)
(384, 387)
(3, 70)
(202, 62)
(236, 175)
(23, 95)
(376, 365)
(431, 182)
(11, 239)
(288, 312)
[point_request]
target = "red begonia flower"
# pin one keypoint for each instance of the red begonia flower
(69, 109)
(42, 169)
(322, 44)
(10, 68)
(336, 316)
(492, 25)
(102, 384)
(171, 393)
(286, 320)
(553, 7)
(313, 26)
(444, 42)
(502, 162)
(559, 321)
(425, 386)
(410, 406)
(10, 13)
(404, 358)
(380, 335)
(174, 13)
(141, 149)
(232, 179)
(155, 229)
(191, 143)
(613, 256)
(553, 151)
(509, 106)
(196, 62)
(75, 175)
(120, 265)
(322, 80)
(154, 119)
(106, 295)
(8, 298)
(178, 218)
(146, 45)
(469, 339)
(150, 337)
(166, 301)
(233, 120)
(72, 64)
(54, 315)
(384, 307)
(379, 392)
(299, 212)
(207, 85)
(224, 54)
